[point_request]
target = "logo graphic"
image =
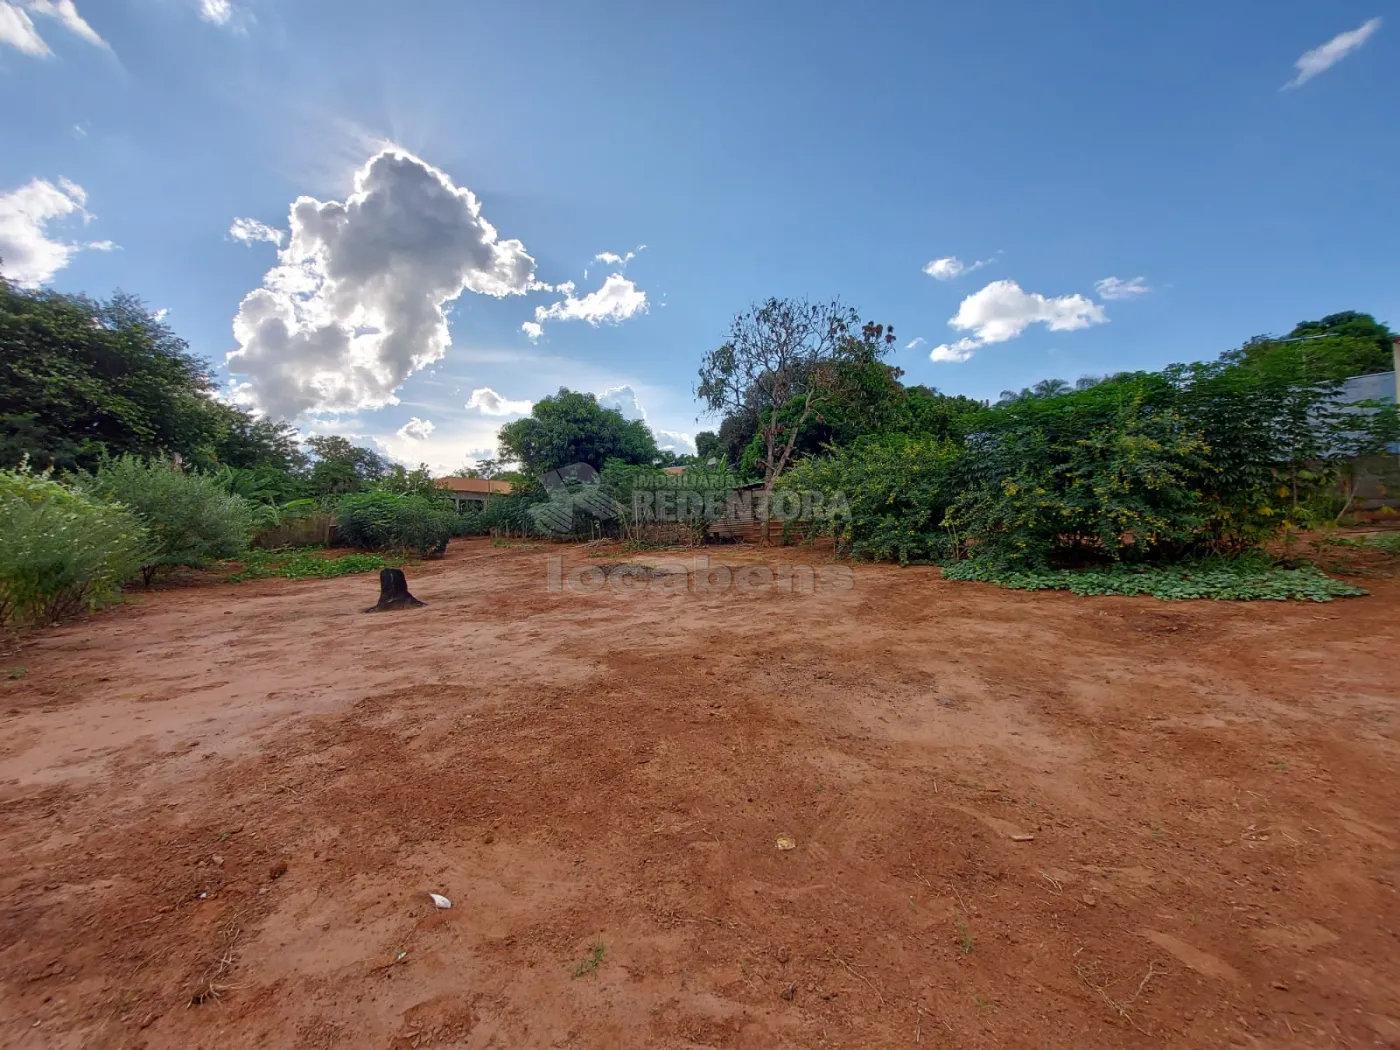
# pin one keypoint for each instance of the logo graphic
(577, 487)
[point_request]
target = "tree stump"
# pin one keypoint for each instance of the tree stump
(393, 592)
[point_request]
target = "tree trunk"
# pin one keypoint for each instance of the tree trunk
(393, 592)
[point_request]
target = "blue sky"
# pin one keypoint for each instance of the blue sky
(755, 149)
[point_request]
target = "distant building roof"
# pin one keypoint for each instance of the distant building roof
(1377, 387)
(674, 470)
(475, 485)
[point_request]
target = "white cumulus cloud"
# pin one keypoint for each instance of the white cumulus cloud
(18, 30)
(623, 399)
(356, 302)
(616, 301)
(1114, 288)
(250, 230)
(491, 403)
(674, 441)
(951, 266)
(1002, 311)
(416, 429)
(915, 343)
(29, 255)
(1321, 59)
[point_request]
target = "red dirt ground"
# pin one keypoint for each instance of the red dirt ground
(222, 810)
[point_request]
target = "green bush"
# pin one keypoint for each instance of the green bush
(509, 515)
(190, 518)
(470, 523)
(1243, 580)
(1386, 542)
(60, 552)
(884, 498)
(396, 521)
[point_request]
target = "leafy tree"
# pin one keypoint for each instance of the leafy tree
(341, 466)
(736, 434)
(80, 379)
(787, 360)
(1043, 389)
(1337, 347)
(1363, 328)
(707, 446)
(571, 427)
(416, 482)
(189, 517)
(245, 442)
(482, 469)
(928, 411)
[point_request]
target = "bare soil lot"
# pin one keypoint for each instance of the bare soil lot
(1020, 820)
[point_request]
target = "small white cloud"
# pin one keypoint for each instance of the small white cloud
(915, 343)
(616, 301)
(416, 429)
(1114, 288)
(18, 30)
(951, 266)
(959, 351)
(219, 12)
(250, 230)
(613, 259)
(1321, 59)
(28, 254)
(532, 329)
(356, 303)
(490, 403)
(1002, 311)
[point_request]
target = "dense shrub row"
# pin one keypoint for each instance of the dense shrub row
(1147, 468)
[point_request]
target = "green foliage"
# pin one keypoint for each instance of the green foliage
(1335, 348)
(1203, 458)
(1246, 581)
(509, 515)
(265, 486)
(470, 523)
(786, 363)
(342, 466)
(889, 494)
(1386, 542)
(383, 520)
(190, 518)
(307, 563)
(82, 379)
(1101, 473)
(571, 427)
(707, 446)
(61, 553)
(416, 482)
